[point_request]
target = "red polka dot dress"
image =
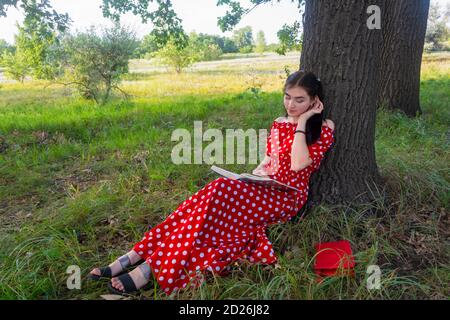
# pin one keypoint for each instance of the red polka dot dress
(226, 221)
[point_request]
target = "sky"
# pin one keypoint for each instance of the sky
(196, 15)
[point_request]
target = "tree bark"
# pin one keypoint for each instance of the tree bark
(339, 48)
(404, 25)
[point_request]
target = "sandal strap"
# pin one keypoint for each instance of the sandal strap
(105, 272)
(128, 283)
(124, 261)
(146, 270)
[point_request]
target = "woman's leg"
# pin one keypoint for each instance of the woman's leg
(140, 276)
(155, 238)
(130, 258)
(135, 255)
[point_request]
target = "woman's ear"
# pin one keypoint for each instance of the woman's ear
(313, 101)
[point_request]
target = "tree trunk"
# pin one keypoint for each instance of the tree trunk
(339, 48)
(404, 25)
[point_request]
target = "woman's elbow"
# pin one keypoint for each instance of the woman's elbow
(302, 165)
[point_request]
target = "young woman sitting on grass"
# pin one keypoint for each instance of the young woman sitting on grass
(226, 221)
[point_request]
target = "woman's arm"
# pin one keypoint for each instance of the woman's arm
(300, 158)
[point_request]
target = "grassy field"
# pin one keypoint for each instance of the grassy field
(80, 183)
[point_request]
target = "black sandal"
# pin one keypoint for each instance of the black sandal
(105, 272)
(128, 283)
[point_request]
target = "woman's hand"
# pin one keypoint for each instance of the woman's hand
(261, 169)
(316, 107)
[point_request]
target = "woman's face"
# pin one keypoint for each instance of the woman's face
(297, 101)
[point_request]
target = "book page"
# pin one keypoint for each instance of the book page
(270, 183)
(254, 177)
(226, 173)
(246, 177)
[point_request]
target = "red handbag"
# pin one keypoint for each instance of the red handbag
(334, 259)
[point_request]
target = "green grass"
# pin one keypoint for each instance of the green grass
(80, 183)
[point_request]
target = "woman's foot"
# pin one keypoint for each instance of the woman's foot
(118, 265)
(139, 277)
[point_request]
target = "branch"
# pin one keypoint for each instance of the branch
(127, 95)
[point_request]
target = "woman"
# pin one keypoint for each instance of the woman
(226, 221)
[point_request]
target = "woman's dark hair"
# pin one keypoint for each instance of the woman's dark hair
(313, 86)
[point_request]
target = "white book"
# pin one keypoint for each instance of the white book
(247, 177)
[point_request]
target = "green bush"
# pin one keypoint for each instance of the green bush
(246, 49)
(206, 47)
(95, 62)
(15, 64)
(176, 57)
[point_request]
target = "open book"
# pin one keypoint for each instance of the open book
(247, 177)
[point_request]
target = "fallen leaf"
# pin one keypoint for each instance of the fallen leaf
(112, 297)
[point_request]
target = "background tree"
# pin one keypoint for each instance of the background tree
(95, 61)
(15, 64)
(289, 37)
(37, 41)
(229, 46)
(6, 47)
(403, 29)
(243, 38)
(39, 46)
(260, 45)
(437, 31)
(147, 47)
